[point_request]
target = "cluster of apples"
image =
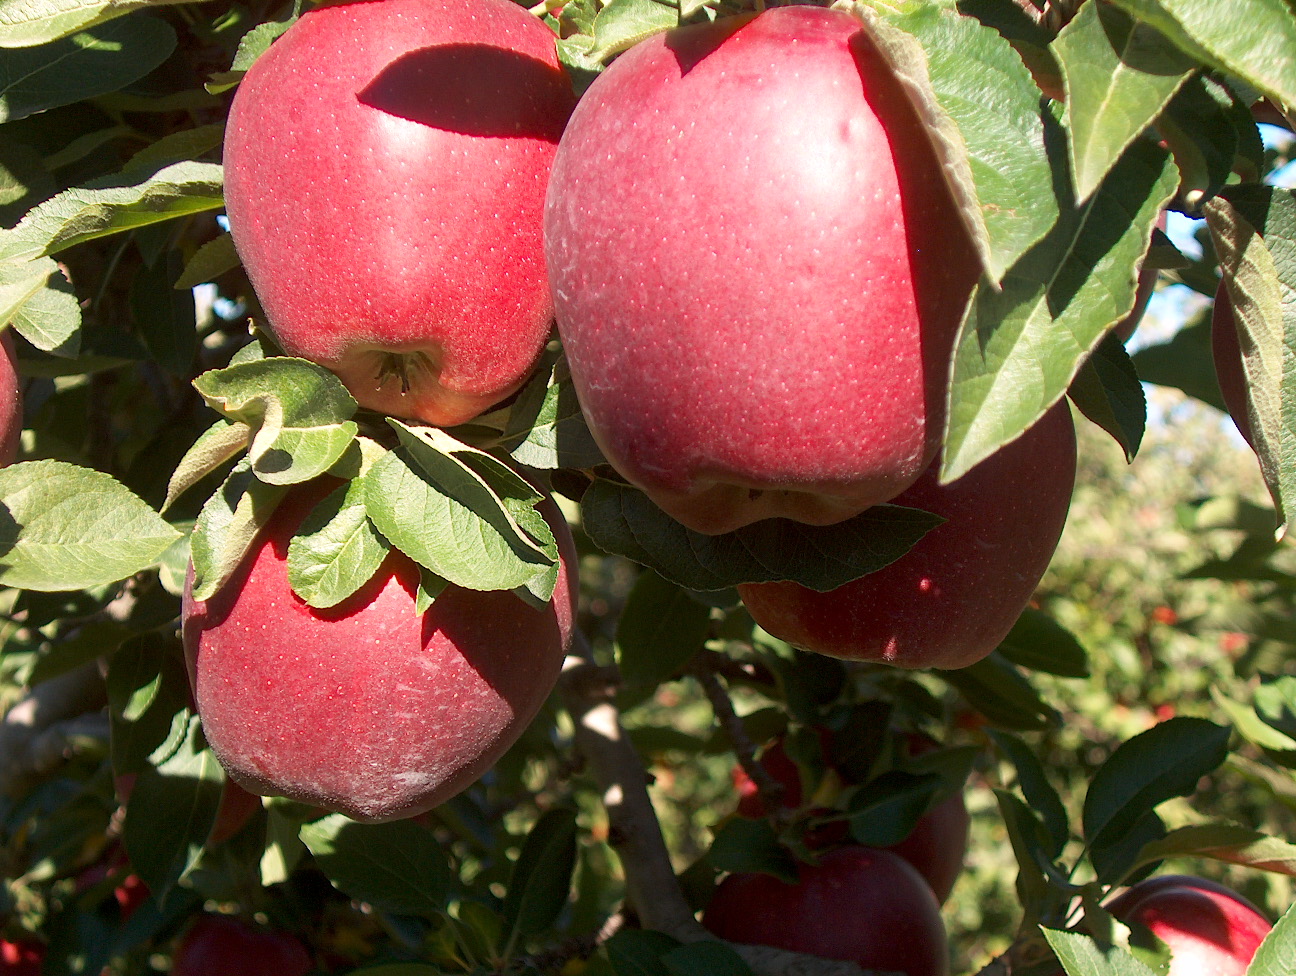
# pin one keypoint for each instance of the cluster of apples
(758, 320)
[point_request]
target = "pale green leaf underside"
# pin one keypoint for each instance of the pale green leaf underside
(1020, 347)
(1119, 75)
(111, 206)
(227, 526)
(1253, 39)
(24, 23)
(63, 527)
(624, 23)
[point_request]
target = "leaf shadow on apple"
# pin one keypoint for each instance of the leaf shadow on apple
(476, 89)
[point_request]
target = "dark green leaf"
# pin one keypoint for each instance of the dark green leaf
(1040, 643)
(541, 880)
(705, 959)
(743, 846)
(996, 689)
(1040, 795)
(1107, 390)
(164, 316)
(620, 519)
(659, 630)
(639, 952)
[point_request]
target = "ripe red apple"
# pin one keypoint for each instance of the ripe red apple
(757, 270)
(954, 596)
(11, 408)
(222, 945)
(369, 708)
(935, 847)
(1226, 349)
(1210, 930)
(857, 904)
(385, 172)
(22, 957)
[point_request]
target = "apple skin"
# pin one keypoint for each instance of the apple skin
(1226, 349)
(954, 596)
(367, 708)
(858, 904)
(757, 270)
(935, 847)
(385, 172)
(11, 406)
(1210, 930)
(221, 945)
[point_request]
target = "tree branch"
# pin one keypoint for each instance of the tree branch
(37, 733)
(588, 693)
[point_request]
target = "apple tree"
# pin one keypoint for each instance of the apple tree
(572, 489)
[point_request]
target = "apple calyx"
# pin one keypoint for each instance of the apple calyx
(400, 365)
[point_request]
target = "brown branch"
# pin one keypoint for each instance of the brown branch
(39, 732)
(588, 693)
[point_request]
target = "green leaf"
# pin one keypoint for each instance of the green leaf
(27, 23)
(983, 112)
(1184, 363)
(1040, 795)
(396, 867)
(165, 317)
(1080, 955)
(215, 447)
(171, 813)
(707, 958)
(1108, 391)
(24, 180)
(1278, 950)
(1030, 843)
(209, 262)
(541, 879)
(622, 520)
(546, 428)
(1040, 643)
(148, 698)
(95, 62)
(112, 205)
(38, 300)
(624, 23)
(252, 45)
(1252, 39)
(745, 846)
(996, 689)
(440, 512)
(64, 527)
(1251, 726)
(1230, 843)
(1254, 232)
(1020, 347)
(885, 810)
(299, 414)
(639, 952)
(1119, 74)
(227, 527)
(337, 550)
(660, 628)
(1164, 762)
(1209, 129)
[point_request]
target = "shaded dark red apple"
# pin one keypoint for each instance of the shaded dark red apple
(11, 405)
(385, 172)
(954, 596)
(757, 270)
(935, 846)
(1209, 930)
(369, 708)
(223, 945)
(1226, 348)
(857, 904)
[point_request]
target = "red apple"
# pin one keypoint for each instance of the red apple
(222, 945)
(954, 596)
(385, 172)
(757, 269)
(1209, 930)
(11, 407)
(857, 904)
(21, 957)
(935, 846)
(1226, 348)
(369, 708)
